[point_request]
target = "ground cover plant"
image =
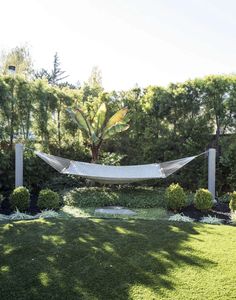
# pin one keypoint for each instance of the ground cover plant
(134, 197)
(116, 259)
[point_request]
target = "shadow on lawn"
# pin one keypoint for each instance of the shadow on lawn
(92, 259)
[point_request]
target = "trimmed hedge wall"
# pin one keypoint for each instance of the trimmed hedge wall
(142, 197)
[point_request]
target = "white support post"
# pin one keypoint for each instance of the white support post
(212, 171)
(19, 165)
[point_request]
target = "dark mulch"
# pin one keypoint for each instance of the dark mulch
(220, 210)
(33, 209)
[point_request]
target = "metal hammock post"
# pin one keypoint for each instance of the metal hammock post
(212, 171)
(19, 148)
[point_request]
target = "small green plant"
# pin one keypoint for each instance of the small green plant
(232, 202)
(48, 213)
(20, 198)
(224, 198)
(175, 197)
(203, 199)
(180, 218)
(211, 220)
(48, 199)
(17, 215)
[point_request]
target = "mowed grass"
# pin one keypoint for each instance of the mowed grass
(116, 259)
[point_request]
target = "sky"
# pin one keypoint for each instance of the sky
(133, 42)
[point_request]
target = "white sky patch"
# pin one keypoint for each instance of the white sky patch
(132, 41)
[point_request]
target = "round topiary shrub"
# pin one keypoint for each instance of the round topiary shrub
(48, 199)
(20, 198)
(175, 197)
(232, 202)
(203, 199)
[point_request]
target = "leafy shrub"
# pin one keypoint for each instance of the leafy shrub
(189, 199)
(20, 198)
(59, 182)
(232, 203)
(48, 199)
(203, 199)
(224, 198)
(126, 196)
(175, 197)
(108, 158)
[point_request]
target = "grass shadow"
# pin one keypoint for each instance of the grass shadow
(93, 258)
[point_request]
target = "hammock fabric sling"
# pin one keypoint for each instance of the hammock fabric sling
(114, 174)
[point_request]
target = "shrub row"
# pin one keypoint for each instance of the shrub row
(173, 197)
(47, 199)
(176, 198)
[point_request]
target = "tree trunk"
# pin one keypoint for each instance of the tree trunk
(95, 153)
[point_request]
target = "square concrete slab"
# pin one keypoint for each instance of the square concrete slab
(115, 210)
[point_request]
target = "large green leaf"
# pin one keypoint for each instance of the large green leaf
(79, 118)
(79, 115)
(83, 124)
(73, 117)
(119, 127)
(117, 117)
(99, 118)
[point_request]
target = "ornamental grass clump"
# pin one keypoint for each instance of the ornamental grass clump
(203, 199)
(232, 202)
(17, 215)
(48, 213)
(48, 199)
(20, 199)
(211, 220)
(180, 218)
(3, 217)
(233, 218)
(175, 197)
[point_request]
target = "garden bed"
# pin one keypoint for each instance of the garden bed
(147, 202)
(220, 211)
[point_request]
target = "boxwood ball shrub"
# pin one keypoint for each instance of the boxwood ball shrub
(48, 199)
(175, 197)
(20, 198)
(232, 202)
(203, 199)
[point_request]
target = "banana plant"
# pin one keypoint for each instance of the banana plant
(99, 129)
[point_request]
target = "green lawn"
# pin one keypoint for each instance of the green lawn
(116, 259)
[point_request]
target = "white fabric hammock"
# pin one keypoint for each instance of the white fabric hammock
(114, 174)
